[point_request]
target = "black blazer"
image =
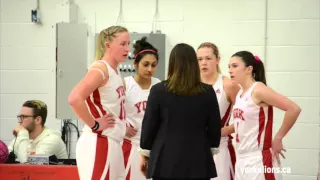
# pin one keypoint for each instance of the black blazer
(179, 131)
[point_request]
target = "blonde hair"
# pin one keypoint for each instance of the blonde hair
(39, 104)
(107, 35)
(214, 49)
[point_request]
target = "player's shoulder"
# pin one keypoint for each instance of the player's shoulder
(127, 79)
(259, 86)
(99, 65)
(229, 85)
(260, 89)
(227, 82)
(128, 82)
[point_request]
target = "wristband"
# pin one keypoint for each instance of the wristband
(96, 126)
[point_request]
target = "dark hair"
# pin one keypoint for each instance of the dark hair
(39, 109)
(142, 48)
(184, 72)
(258, 72)
(214, 49)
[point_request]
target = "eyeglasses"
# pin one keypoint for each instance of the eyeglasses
(22, 117)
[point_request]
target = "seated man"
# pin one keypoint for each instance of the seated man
(33, 137)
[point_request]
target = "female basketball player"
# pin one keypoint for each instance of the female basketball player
(98, 95)
(137, 92)
(253, 119)
(226, 91)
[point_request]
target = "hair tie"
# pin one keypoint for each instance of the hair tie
(257, 58)
(146, 50)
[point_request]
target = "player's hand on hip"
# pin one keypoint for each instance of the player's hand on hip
(277, 148)
(106, 122)
(131, 131)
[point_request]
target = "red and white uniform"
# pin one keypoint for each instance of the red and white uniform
(225, 159)
(99, 153)
(253, 128)
(136, 102)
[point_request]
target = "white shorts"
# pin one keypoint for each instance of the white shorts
(99, 157)
(225, 162)
(253, 166)
(132, 161)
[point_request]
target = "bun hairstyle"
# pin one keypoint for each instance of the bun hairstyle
(142, 48)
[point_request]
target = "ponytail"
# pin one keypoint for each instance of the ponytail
(259, 72)
(99, 48)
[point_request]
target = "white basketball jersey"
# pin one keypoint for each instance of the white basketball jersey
(136, 102)
(224, 104)
(109, 98)
(252, 123)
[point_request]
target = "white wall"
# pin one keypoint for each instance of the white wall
(27, 52)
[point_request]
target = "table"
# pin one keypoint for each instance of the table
(38, 172)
